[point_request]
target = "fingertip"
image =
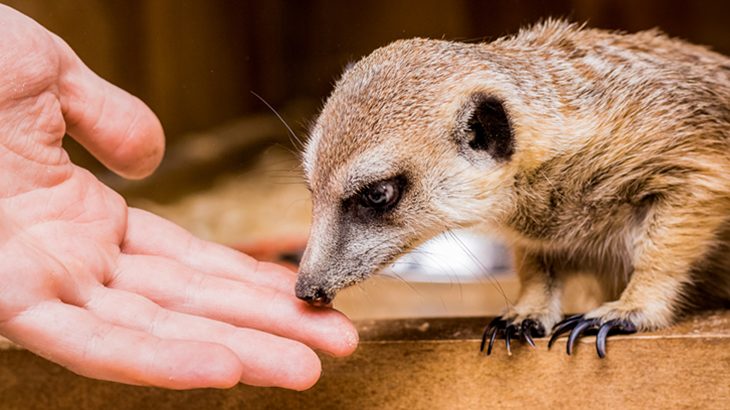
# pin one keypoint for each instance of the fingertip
(336, 334)
(352, 340)
(142, 147)
(116, 127)
(346, 341)
(282, 363)
(125, 135)
(309, 372)
(223, 368)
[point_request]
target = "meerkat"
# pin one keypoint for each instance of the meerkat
(588, 151)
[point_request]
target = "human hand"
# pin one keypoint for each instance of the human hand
(115, 293)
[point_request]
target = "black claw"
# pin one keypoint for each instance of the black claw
(528, 338)
(492, 325)
(524, 330)
(506, 339)
(528, 327)
(491, 341)
(491, 332)
(564, 326)
(627, 327)
(578, 324)
(619, 325)
(578, 329)
(571, 319)
(601, 337)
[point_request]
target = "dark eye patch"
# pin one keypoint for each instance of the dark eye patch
(377, 198)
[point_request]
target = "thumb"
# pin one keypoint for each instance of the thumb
(114, 126)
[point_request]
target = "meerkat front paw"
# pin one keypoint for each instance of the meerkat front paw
(519, 327)
(608, 320)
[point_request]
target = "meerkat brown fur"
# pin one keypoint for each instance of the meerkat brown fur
(588, 151)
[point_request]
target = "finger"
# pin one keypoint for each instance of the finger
(114, 126)
(267, 360)
(148, 234)
(179, 288)
(86, 345)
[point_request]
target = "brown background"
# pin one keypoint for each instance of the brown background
(196, 62)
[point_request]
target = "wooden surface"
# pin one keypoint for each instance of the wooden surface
(436, 364)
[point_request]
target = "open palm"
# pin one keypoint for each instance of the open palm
(117, 293)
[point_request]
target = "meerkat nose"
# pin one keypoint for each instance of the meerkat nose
(315, 296)
(318, 298)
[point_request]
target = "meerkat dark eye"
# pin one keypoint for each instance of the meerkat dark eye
(382, 194)
(488, 128)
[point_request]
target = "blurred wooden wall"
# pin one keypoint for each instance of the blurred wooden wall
(195, 62)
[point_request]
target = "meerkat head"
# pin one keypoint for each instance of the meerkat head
(416, 139)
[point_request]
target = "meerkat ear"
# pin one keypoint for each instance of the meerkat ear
(488, 130)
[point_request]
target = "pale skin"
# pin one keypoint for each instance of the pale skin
(116, 293)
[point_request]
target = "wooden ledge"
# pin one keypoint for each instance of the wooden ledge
(434, 364)
(710, 324)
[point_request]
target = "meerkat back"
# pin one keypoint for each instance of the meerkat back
(589, 151)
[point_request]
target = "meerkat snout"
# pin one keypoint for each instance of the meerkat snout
(588, 151)
(354, 243)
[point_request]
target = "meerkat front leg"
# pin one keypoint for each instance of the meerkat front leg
(538, 307)
(664, 255)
